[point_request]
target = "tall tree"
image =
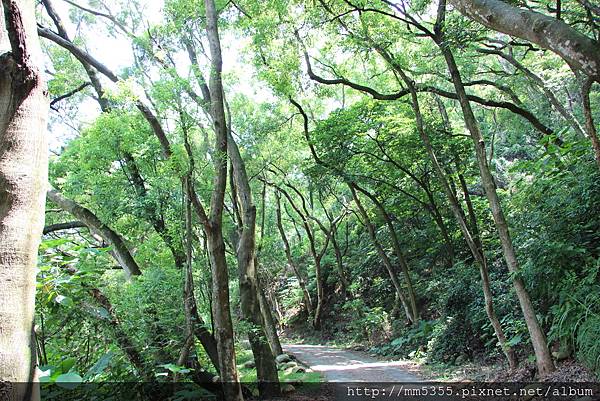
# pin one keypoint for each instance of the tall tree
(23, 176)
(538, 338)
(266, 368)
(214, 224)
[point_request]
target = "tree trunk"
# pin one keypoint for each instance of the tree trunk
(317, 320)
(214, 226)
(125, 343)
(384, 258)
(270, 326)
(457, 211)
(266, 368)
(589, 118)
(538, 338)
(288, 253)
(23, 177)
(265, 308)
(339, 262)
(398, 251)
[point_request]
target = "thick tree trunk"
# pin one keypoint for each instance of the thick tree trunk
(578, 50)
(538, 338)
(121, 252)
(384, 258)
(214, 226)
(23, 177)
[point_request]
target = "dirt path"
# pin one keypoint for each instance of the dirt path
(338, 365)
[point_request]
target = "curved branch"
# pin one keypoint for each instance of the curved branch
(578, 50)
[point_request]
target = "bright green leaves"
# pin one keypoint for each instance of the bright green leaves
(65, 301)
(173, 369)
(62, 375)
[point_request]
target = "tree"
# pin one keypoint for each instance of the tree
(214, 224)
(23, 176)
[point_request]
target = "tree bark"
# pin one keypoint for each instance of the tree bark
(23, 177)
(578, 50)
(270, 326)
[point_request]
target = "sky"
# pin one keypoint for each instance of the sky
(116, 54)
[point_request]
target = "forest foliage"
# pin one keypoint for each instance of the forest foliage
(354, 218)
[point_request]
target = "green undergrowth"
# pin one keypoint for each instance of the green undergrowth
(248, 375)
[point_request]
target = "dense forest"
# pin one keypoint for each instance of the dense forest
(217, 178)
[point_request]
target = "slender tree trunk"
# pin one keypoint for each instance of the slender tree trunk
(317, 320)
(214, 226)
(265, 308)
(201, 377)
(266, 368)
(288, 253)
(270, 326)
(23, 177)
(384, 258)
(439, 221)
(398, 251)
(125, 343)
(458, 214)
(589, 118)
(339, 262)
(306, 215)
(538, 338)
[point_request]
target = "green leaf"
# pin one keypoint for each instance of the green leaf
(100, 365)
(65, 301)
(67, 364)
(69, 380)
